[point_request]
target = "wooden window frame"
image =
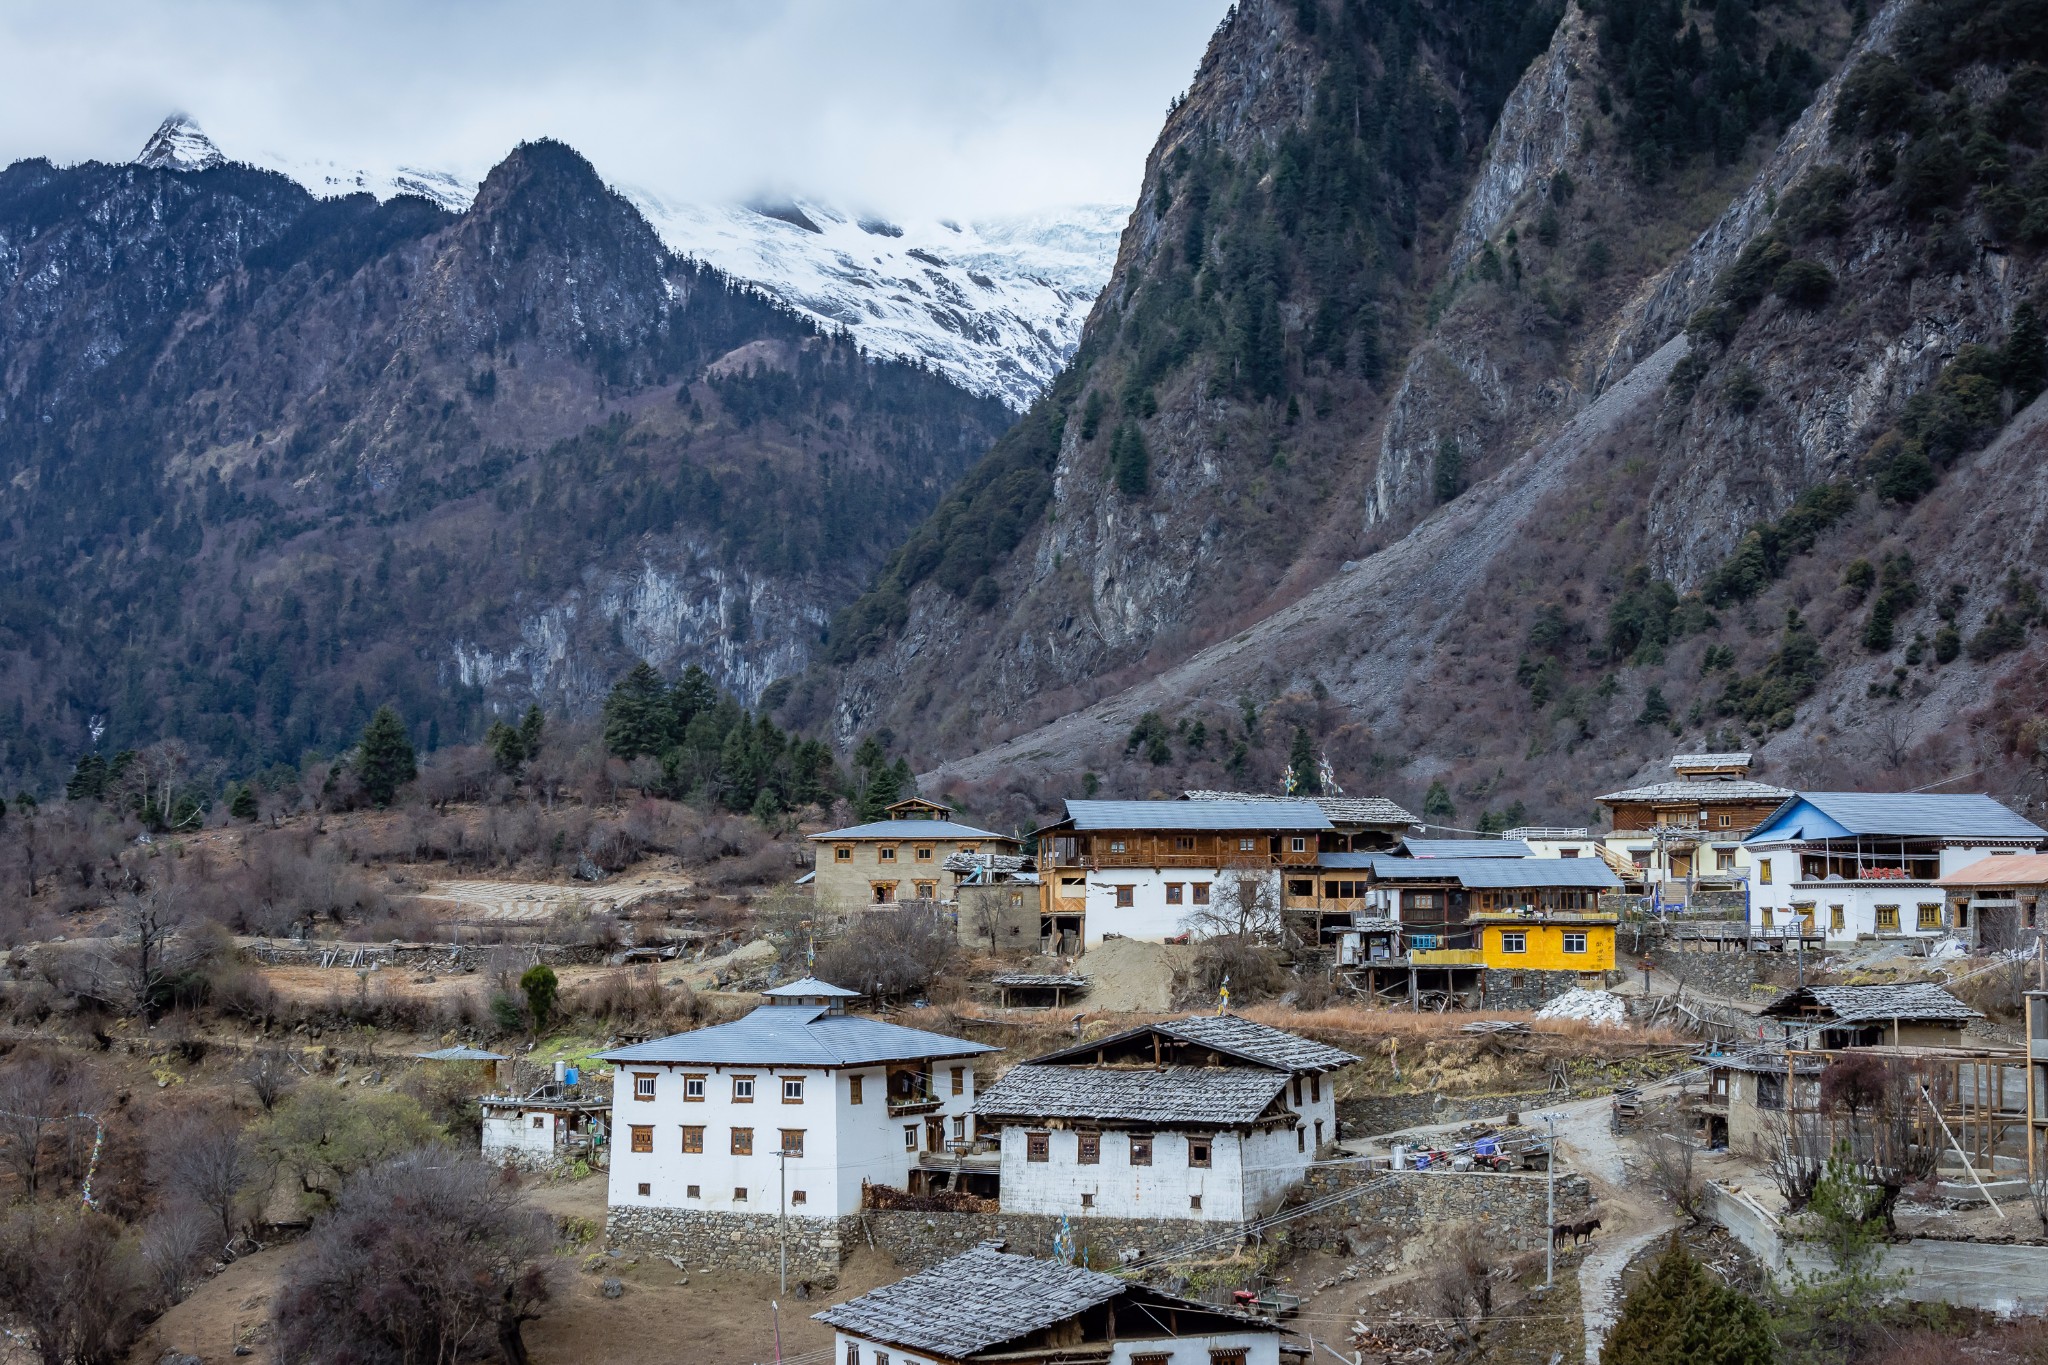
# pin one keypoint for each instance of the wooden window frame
(1315, 1088)
(1198, 893)
(1184, 843)
(787, 1134)
(1038, 1147)
(799, 1197)
(885, 854)
(641, 1136)
(1174, 893)
(1126, 897)
(693, 1192)
(842, 853)
(540, 1121)
(693, 1139)
(1922, 919)
(911, 1142)
(926, 891)
(1763, 871)
(696, 1082)
(739, 1194)
(1140, 1149)
(1088, 1148)
(1228, 1355)
(1087, 1199)
(959, 1080)
(643, 1086)
(742, 1142)
(1885, 917)
(646, 1189)
(737, 1082)
(853, 1089)
(789, 1084)
(923, 854)
(1201, 1154)
(1297, 844)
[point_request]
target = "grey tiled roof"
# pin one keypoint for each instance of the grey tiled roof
(811, 986)
(1735, 758)
(912, 830)
(973, 1302)
(1043, 980)
(1199, 1096)
(1912, 1000)
(1241, 813)
(1499, 874)
(1709, 790)
(1342, 810)
(461, 1054)
(1467, 848)
(1259, 1042)
(797, 1035)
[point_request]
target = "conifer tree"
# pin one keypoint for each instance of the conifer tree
(384, 758)
(637, 714)
(1437, 804)
(242, 805)
(88, 780)
(1301, 761)
(1129, 463)
(531, 727)
(1682, 1315)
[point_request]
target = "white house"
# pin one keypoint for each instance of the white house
(988, 1306)
(1211, 1117)
(788, 1110)
(1863, 864)
(544, 1128)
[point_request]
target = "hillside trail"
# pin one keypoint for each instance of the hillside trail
(1629, 1220)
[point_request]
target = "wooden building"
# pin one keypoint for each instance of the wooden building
(1690, 829)
(898, 859)
(1916, 1013)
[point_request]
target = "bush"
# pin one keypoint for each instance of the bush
(1815, 207)
(890, 953)
(1804, 283)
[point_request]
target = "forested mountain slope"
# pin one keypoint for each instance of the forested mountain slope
(268, 460)
(1682, 403)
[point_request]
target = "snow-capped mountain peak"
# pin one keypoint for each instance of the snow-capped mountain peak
(179, 145)
(995, 305)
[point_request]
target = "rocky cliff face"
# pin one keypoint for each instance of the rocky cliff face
(270, 460)
(1677, 458)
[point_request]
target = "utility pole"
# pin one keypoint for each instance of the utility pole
(1550, 1203)
(782, 1241)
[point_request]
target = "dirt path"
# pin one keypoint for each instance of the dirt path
(1630, 1219)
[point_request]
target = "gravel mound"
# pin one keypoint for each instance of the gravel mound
(1595, 1007)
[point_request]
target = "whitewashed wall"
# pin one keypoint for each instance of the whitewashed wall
(1260, 1348)
(514, 1134)
(1859, 899)
(1149, 916)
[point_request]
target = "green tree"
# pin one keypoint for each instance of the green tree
(1450, 469)
(637, 714)
(1149, 736)
(532, 726)
(541, 988)
(1829, 1308)
(693, 695)
(320, 1135)
(1437, 804)
(242, 805)
(88, 780)
(507, 746)
(384, 757)
(1301, 761)
(1656, 711)
(1129, 463)
(1681, 1315)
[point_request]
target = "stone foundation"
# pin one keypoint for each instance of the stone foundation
(1734, 973)
(1511, 1205)
(1518, 989)
(704, 1240)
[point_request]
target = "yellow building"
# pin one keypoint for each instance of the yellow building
(1557, 941)
(898, 859)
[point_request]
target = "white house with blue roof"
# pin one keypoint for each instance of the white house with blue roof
(786, 1111)
(1867, 864)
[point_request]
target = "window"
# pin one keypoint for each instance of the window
(1300, 886)
(1087, 1200)
(1301, 1139)
(691, 1192)
(643, 1137)
(742, 1142)
(1126, 897)
(1152, 1358)
(924, 854)
(693, 1138)
(1201, 893)
(959, 1127)
(1038, 1146)
(1703, 819)
(885, 892)
(539, 1122)
(1567, 853)
(1725, 821)
(743, 1090)
(1297, 1092)
(1319, 1135)
(852, 1353)
(643, 1085)
(739, 1194)
(909, 1137)
(1088, 1148)
(1315, 1090)
(1344, 891)
(1173, 893)
(1227, 1355)
(646, 1189)
(1887, 918)
(1116, 846)
(1835, 918)
(1575, 943)
(1198, 1151)
(959, 1080)
(792, 1142)
(693, 1090)
(1763, 871)
(1194, 1203)
(1514, 941)
(853, 1090)
(1930, 915)
(927, 891)
(969, 848)
(1184, 843)
(1247, 845)
(798, 1197)
(792, 1090)
(887, 855)
(1297, 845)
(842, 854)
(1141, 1149)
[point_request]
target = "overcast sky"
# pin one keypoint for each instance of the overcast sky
(968, 107)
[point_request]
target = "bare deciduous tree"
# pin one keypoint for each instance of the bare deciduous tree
(1462, 1287)
(1244, 904)
(176, 1241)
(1669, 1153)
(428, 1257)
(206, 1162)
(37, 1103)
(66, 1279)
(270, 1075)
(890, 952)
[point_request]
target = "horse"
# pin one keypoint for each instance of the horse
(1584, 1229)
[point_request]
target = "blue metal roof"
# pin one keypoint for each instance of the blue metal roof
(1348, 861)
(798, 1035)
(1229, 815)
(1499, 874)
(1848, 815)
(1467, 848)
(912, 830)
(810, 985)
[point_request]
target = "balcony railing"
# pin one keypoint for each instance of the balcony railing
(918, 1102)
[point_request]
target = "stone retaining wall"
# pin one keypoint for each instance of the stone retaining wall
(1732, 973)
(1371, 1115)
(917, 1240)
(1520, 989)
(704, 1240)
(1511, 1205)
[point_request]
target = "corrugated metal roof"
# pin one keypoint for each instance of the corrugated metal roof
(1496, 874)
(1347, 861)
(1263, 814)
(798, 1035)
(460, 1054)
(1902, 814)
(973, 1302)
(1197, 1096)
(810, 985)
(912, 830)
(1342, 810)
(2001, 869)
(1467, 848)
(1911, 1001)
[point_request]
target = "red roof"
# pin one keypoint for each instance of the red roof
(2001, 869)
